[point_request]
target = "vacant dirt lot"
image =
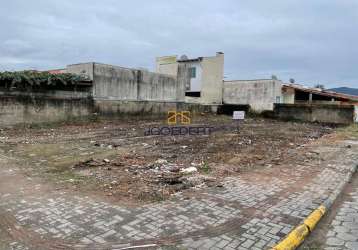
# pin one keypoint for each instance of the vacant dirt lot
(114, 159)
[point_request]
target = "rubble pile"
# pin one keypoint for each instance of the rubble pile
(154, 181)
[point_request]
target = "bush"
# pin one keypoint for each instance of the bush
(22, 79)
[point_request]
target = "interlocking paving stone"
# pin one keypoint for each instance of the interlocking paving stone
(344, 228)
(352, 245)
(242, 215)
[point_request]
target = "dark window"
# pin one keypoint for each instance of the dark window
(192, 72)
(193, 94)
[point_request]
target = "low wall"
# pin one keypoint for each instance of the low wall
(54, 94)
(324, 113)
(119, 108)
(16, 110)
(148, 108)
(26, 109)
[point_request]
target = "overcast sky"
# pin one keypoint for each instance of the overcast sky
(310, 41)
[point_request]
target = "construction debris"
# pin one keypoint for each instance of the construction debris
(128, 166)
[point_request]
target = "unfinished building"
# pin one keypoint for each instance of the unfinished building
(206, 76)
(259, 94)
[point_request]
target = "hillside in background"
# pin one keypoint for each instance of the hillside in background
(345, 90)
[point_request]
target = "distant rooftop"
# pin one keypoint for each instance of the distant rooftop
(199, 59)
(321, 92)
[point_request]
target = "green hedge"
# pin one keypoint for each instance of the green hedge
(34, 78)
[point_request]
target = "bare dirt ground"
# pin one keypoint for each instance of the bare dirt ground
(97, 185)
(114, 160)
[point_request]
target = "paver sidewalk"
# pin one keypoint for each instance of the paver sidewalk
(343, 233)
(246, 213)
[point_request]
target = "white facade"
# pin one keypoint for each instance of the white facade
(195, 81)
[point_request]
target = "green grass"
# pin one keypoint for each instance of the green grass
(349, 131)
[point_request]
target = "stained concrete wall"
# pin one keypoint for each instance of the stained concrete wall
(147, 108)
(118, 83)
(54, 94)
(143, 108)
(114, 91)
(183, 80)
(114, 83)
(156, 87)
(288, 95)
(118, 90)
(81, 69)
(16, 110)
(167, 65)
(337, 114)
(212, 79)
(259, 94)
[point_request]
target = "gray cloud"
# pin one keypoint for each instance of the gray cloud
(311, 41)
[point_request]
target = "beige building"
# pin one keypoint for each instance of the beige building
(259, 94)
(206, 76)
(262, 94)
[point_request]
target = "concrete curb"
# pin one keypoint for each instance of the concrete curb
(296, 237)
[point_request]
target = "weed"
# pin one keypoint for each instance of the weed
(349, 131)
(205, 168)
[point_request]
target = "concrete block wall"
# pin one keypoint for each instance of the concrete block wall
(114, 83)
(259, 94)
(148, 108)
(324, 113)
(212, 79)
(54, 94)
(183, 79)
(124, 84)
(114, 91)
(119, 90)
(156, 87)
(167, 65)
(129, 108)
(29, 109)
(81, 69)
